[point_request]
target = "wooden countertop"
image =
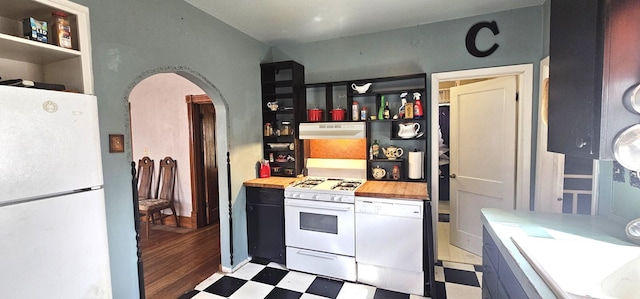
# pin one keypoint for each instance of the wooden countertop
(272, 182)
(381, 189)
(391, 189)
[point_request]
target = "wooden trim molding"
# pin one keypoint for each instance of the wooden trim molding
(195, 158)
(198, 99)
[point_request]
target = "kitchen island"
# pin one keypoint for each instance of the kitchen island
(547, 255)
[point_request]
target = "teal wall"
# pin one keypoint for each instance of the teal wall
(619, 200)
(626, 199)
(132, 40)
(429, 48)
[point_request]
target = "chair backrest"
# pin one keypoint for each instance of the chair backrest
(145, 177)
(167, 178)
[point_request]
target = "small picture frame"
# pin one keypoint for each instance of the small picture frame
(116, 143)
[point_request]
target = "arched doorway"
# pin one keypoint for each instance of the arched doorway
(173, 125)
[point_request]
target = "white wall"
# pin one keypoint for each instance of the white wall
(159, 127)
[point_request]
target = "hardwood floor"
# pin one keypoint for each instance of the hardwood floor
(174, 263)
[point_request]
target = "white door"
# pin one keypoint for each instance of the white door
(549, 165)
(483, 156)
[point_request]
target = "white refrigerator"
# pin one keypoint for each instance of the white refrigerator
(53, 234)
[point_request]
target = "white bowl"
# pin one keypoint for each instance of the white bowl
(278, 145)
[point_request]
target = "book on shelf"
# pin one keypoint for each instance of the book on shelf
(32, 84)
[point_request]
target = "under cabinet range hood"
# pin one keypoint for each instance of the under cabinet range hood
(332, 130)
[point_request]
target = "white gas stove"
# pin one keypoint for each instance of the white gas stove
(320, 218)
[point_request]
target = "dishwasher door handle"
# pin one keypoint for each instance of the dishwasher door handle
(316, 254)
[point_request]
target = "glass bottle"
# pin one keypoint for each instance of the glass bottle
(355, 111)
(375, 150)
(387, 112)
(381, 110)
(364, 113)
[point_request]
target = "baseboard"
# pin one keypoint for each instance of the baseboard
(185, 221)
(238, 266)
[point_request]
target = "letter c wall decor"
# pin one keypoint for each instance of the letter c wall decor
(473, 34)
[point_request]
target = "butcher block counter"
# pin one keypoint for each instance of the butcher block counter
(274, 182)
(390, 189)
(383, 189)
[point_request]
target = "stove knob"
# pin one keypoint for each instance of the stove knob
(338, 198)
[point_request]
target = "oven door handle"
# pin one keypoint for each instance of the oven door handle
(317, 254)
(319, 207)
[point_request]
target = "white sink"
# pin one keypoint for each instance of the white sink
(584, 268)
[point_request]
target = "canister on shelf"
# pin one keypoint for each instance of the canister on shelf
(285, 128)
(395, 174)
(61, 30)
(355, 110)
(268, 130)
(364, 114)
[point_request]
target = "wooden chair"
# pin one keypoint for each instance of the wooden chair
(166, 183)
(145, 177)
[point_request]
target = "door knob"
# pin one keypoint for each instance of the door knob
(559, 199)
(453, 175)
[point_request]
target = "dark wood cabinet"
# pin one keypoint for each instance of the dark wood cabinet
(283, 83)
(594, 63)
(265, 224)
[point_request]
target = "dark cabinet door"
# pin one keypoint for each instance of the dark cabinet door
(594, 61)
(265, 224)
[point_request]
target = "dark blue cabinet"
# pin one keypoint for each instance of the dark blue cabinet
(593, 62)
(498, 281)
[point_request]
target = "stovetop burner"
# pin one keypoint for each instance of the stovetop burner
(308, 183)
(328, 184)
(347, 185)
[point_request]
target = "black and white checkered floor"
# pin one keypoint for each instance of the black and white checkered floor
(257, 280)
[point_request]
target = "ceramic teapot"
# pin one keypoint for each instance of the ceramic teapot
(408, 130)
(378, 173)
(273, 105)
(392, 152)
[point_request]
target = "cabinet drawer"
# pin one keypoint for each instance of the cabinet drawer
(485, 291)
(489, 275)
(338, 266)
(490, 246)
(265, 196)
(511, 285)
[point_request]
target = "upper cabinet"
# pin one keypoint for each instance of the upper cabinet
(594, 68)
(37, 61)
(283, 107)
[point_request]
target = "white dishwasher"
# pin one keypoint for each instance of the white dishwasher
(389, 245)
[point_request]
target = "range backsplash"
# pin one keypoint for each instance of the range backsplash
(338, 148)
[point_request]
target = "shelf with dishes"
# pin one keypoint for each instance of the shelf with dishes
(386, 169)
(409, 129)
(283, 103)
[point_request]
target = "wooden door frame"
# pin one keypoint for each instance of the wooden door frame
(198, 207)
(524, 73)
